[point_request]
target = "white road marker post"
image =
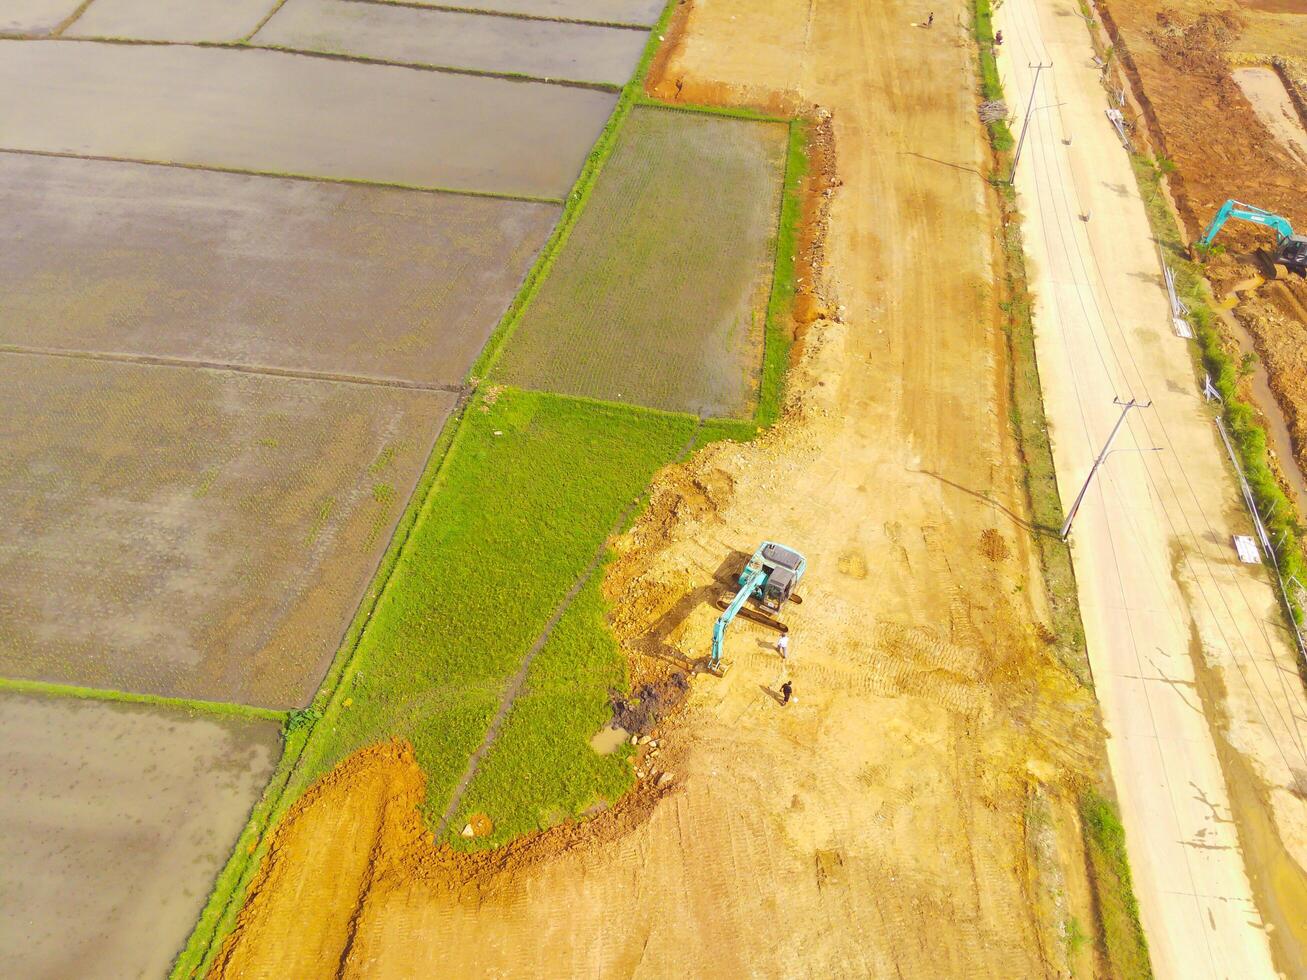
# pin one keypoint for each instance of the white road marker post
(1107, 448)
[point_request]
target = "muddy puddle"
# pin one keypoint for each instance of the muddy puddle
(190, 532)
(644, 12)
(273, 112)
(608, 740)
(1270, 100)
(150, 20)
(293, 275)
(116, 820)
(35, 17)
(545, 49)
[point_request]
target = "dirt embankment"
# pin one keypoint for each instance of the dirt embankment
(912, 811)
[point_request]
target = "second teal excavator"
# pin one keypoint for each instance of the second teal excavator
(1290, 249)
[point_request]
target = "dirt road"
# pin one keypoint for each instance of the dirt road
(913, 811)
(1204, 708)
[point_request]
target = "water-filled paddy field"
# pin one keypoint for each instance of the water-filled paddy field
(482, 42)
(116, 819)
(178, 20)
(281, 113)
(660, 293)
(642, 12)
(194, 533)
(265, 273)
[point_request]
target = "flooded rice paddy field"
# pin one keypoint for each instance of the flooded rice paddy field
(545, 49)
(194, 533)
(660, 294)
(35, 18)
(641, 12)
(116, 820)
(175, 20)
(275, 112)
(298, 275)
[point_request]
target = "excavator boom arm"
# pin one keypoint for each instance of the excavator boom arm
(1246, 212)
(724, 620)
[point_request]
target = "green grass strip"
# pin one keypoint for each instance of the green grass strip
(1118, 911)
(991, 86)
(1249, 438)
(227, 708)
(729, 112)
(778, 338)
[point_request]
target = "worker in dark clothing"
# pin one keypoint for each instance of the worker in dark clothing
(930, 19)
(786, 690)
(998, 38)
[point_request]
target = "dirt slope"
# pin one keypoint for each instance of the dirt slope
(912, 813)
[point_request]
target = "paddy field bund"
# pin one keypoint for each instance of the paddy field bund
(254, 285)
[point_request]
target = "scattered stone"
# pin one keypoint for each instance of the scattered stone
(644, 739)
(468, 831)
(639, 774)
(635, 739)
(665, 779)
(653, 743)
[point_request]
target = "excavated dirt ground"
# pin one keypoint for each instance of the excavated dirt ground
(1180, 56)
(912, 812)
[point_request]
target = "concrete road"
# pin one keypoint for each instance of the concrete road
(1179, 633)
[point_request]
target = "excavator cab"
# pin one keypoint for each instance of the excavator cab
(782, 568)
(1292, 254)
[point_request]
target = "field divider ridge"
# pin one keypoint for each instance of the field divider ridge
(154, 360)
(509, 15)
(264, 21)
(68, 21)
(196, 705)
(351, 181)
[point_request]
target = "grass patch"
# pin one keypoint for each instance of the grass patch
(1123, 935)
(533, 485)
(1224, 364)
(541, 769)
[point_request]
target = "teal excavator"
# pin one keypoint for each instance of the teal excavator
(1290, 249)
(768, 580)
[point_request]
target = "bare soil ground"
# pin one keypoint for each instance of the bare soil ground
(190, 532)
(912, 812)
(1181, 55)
(281, 113)
(288, 275)
(116, 819)
(546, 49)
(658, 297)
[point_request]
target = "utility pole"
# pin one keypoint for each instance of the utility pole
(1030, 107)
(1107, 448)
